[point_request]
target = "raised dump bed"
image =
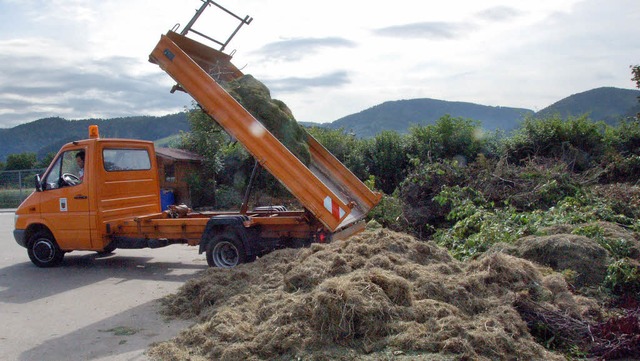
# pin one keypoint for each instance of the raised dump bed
(325, 187)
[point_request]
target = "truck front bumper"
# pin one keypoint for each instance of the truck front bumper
(18, 234)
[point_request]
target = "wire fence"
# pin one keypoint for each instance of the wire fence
(16, 185)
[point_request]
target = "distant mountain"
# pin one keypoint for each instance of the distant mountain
(607, 104)
(401, 114)
(48, 135)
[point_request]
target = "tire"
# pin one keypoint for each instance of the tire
(43, 250)
(225, 251)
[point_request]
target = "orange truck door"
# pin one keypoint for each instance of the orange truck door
(65, 200)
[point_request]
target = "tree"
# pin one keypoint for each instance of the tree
(635, 70)
(346, 147)
(44, 162)
(207, 139)
(21, 161)
(447, 138)
(387, 160)
(577, 141)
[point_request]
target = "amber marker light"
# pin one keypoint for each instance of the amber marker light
(93, 132)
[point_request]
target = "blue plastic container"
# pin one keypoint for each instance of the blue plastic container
(166, 198)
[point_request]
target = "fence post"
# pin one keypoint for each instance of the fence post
(20, 184)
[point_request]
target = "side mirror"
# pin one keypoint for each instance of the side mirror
(38, 183)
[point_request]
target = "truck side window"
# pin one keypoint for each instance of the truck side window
(66, 170)
(126, 159)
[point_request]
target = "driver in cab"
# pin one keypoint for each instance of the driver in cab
(80, 163)
(66, 170)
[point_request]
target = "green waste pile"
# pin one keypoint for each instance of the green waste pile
(378, 295)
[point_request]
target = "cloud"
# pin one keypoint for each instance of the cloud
(78, 10)
(295, 84)
(102, 88)
(296, 49)
(425, 30)
(499, 13)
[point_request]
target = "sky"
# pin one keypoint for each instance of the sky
(80, 59)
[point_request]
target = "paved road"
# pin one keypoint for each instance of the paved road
(90, 308)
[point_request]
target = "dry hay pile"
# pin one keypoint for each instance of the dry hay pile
(377, 295)
(567, 252)
(272, 113)
(561, 249)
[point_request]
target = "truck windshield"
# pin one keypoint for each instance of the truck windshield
(126, 159)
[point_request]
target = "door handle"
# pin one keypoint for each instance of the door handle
(80, 196)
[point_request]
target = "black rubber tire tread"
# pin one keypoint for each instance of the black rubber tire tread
(43, 250)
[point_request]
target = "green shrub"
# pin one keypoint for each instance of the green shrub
(228, 198)
(387, 160)
(203, 191)
(475, 224)
(577, 142)
(536, 184)
(584, 207)
(618, 168)
(346, 147)
(623, 199)
(618, 248)
(624, 138)
(623, 277)
(418, 190)
(388, 213)
(479, 225)
(447, 138)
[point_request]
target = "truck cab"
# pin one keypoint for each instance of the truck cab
(89, 184)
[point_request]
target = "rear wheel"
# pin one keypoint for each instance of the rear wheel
(43, 250)
(225, 251)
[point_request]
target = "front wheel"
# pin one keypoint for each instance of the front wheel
(225, 251)
(44, 251)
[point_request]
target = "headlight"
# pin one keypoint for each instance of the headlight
(15, 219)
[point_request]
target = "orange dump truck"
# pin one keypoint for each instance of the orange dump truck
(114, 202)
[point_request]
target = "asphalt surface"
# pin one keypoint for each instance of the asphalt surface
(91, 307)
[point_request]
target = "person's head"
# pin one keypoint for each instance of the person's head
(80, 159)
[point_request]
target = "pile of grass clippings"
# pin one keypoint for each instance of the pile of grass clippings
(274, 114)
(568, 252)
(377, 295)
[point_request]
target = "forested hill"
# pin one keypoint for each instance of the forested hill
(608, 104)
(401, 114)
(49, 134)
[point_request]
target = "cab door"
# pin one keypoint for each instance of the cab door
(65, 200)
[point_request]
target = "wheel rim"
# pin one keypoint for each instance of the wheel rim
(225, 255)
(43, 250)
